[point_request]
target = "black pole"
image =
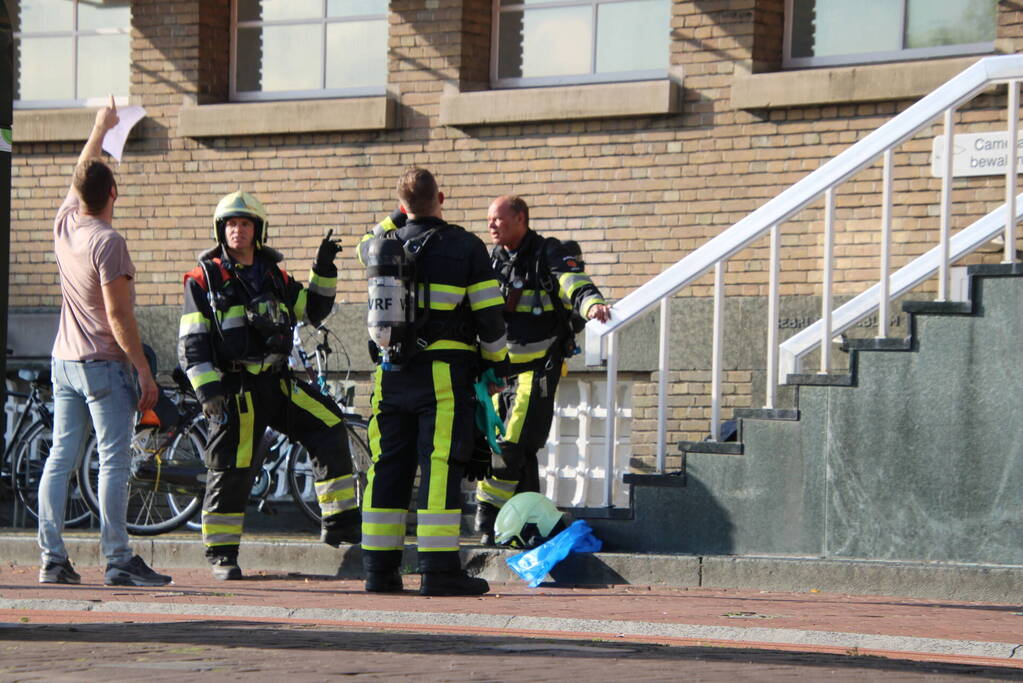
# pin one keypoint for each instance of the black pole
(6, 124)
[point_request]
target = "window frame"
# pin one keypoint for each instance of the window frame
(74, 34)
(574, 79)
(903, 55)
(284, 95)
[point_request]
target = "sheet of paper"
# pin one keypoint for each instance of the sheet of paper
(113, 141)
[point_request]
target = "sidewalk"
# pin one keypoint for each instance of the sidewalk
(985, 638)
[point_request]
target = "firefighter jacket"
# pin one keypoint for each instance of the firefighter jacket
(465, 302)
(535, 278)
(240, 318)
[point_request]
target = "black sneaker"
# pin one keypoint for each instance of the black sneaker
(134, 572)
(452, 583)
(384, 582)
(59, 572)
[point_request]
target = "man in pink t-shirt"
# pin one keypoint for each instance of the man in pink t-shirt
(97, 358)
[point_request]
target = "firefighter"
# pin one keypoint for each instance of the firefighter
(234, 340)
(548, 299)
(423, 399)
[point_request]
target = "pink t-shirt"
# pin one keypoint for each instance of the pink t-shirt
(90, 254)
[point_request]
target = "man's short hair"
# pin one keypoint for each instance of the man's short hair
(417, 190)
(93, 180)
(518, 205)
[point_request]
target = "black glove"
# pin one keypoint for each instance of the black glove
(478, 468)
(329, 249)
(213, 409)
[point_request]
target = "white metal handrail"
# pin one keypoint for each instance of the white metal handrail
(601, 337)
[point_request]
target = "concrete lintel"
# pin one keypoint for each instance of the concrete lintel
(842, 85)
(611, 100)
(53, 125)
(295, 116)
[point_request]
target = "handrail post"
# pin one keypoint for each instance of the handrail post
(886, 246)
(662, 387)
(829, 242)
(610, 401)
(1010, 174)
(715, 376)
(771, 387)
(946, 206)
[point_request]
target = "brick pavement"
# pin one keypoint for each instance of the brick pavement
(832, 630)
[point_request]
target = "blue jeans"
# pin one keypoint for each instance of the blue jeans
(104, 393)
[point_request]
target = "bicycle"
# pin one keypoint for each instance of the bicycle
(167, 482)
(29, 446)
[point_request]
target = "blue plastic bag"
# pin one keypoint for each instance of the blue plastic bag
(533, 565)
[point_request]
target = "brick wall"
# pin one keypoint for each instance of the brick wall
(637, 193)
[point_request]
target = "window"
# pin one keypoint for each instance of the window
(828, 32)
(557, 42)
(70, 52)
(290, 49)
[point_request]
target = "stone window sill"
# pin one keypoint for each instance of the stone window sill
(53, 125)
(844, 85)
(565, 103)
(293, 116)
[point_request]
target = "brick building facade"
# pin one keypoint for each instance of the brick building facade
(640, 173)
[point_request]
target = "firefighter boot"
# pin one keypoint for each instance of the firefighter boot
(452, 583)
(486, 515)
(344, 527)
(226, 569)
(383, 582)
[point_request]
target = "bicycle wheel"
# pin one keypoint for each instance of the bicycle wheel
(152, 509)
(301, 479)
(29, 459)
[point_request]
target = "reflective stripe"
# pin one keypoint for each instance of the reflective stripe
(303, 400)
(444, 395)
(589, 302)
(301, 302)
(449, 345)
(485, 294)
(243, 456)
(319, 284)
(232, 318)
(517, 419)
(495, 350)
(528, 299)
(437, 531)
(524, 353)
(373, 433)
(383, 529)
(570, 282)
(443, 297)
(193, 323)
(201, 374)
(336, 495)
(222, 528)
(495, 491)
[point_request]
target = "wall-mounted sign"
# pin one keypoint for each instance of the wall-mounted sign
(976, 154)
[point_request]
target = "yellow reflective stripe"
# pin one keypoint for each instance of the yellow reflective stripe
(193, 323)
(449, 345)
(383, 529)
(322, 281)
(443, 297)
(444, 395)
(437, 531)
(589, 302)
(485, 294)
(232, 317)
(303, 400)
(301, 302)
(373, 432)
(243, 457)
(494, 356)
(495, 491)
(570, 282)
(517, 420)
(202, 374)
(525, 357)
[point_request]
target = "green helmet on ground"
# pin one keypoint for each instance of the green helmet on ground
(242, 204)
(528, 520)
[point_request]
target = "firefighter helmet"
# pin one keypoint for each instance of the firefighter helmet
(240, 203)
(528, 520)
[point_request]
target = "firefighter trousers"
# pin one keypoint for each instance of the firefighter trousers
(422, 419)
(527, 407)
(233, 455)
